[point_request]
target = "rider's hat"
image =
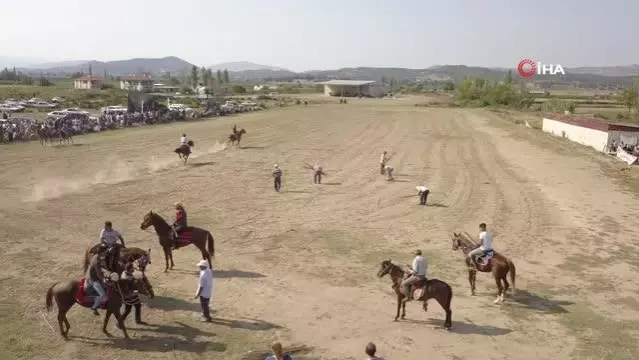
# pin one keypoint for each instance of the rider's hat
(178, 205)
(418, 252)
(203, 263)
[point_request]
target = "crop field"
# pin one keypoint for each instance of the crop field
(300, 266)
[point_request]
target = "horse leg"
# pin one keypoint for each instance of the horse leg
(403, 311)
(120, 319)
(399, 305)
(62, 319)
(471, 281)
(444, 301)
(506, 285)
(500, 289)
(171, 258)
(106, 322)
(166, 258)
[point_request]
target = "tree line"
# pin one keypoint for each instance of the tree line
(18, 77)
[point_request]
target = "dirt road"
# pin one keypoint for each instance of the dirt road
(300, 265)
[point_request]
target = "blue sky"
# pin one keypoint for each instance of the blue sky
(304, 35)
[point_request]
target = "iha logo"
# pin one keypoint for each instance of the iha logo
(528, 68)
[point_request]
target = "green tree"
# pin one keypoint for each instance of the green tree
(226, 76)
(629, 97)
(449, 86)
(220, 79)
(194, 75)
(509, 77)
(239, 89)
(205, 76)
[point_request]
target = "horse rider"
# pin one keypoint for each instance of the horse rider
(318, 171)
(183, 140)
(417, 274)
(179, 224)
(423, 192)
(382, 162)
(95, 278)
(235, 129)
(109, 239)
(486, 245)
(132, 296)
(389, 172)
(277, 177)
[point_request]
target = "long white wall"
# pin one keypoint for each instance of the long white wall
(596, 139)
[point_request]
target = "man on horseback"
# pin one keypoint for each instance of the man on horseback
(178, 225)
(418, 273)
(184, 140)
(486, 245)
(95, 277)
(109, 239)
(235, 129)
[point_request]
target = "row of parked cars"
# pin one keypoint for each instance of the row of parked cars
(12, 105)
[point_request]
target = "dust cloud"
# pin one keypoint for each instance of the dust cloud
(113, 171)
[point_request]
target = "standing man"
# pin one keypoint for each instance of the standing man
(389, 172)
(205, 289)
(382, 162)
(486, 244)
(318, 171)
(277, 177)
(418, 273)
(422, 191)
(132, 296)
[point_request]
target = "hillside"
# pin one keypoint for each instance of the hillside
(239, 66)
(169, 64)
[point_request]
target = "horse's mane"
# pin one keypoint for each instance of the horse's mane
(467, 240)
(159, 217)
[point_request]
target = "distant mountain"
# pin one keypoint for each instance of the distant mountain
(169, 64)
(57, 64)
(244, 66)
(18, 62)
(627, 70)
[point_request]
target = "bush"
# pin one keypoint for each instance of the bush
(239, 89)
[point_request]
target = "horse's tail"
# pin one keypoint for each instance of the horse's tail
(49, 299)
(210, 243)
(512, 271)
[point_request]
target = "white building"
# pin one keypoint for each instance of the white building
(89, 82)
(352, 88)
(136, 82)
(591, 132)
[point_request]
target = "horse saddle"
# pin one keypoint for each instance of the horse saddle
(419, 289)
(484, 259)
(185, 236)
(84, 296)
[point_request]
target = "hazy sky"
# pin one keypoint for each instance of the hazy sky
(326, 34)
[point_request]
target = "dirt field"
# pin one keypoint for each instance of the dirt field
(300, 265)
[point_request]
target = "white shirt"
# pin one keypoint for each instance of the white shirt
(419, 266)
(109, 237)
(486, 239)
(388, 168)
(183, 140)
(382, 158)
(206, 283)
(421, 188)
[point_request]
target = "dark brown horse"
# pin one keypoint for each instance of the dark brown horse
(201, 238)
(127, 255)
(499, 265)
(184, 151)
(430, 289)
(236, 137)
(65, 294)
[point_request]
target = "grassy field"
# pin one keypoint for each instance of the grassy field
(299, 266)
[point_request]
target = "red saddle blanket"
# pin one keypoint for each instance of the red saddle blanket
(185, 237)
(85, 297)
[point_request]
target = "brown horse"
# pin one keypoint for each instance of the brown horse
(429, 289)
(65, 295)
(499, 265)
(201, 238)
(184, 151)
(236, 137)
(127, 255)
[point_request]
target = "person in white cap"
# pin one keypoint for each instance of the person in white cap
(422, 191)
(205, 288)
(277, 177)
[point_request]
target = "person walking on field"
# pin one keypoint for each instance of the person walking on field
(423, 192)
(277, 177)
(205, 289)
(318, 171)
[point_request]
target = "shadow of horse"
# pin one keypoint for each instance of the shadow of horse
(253, 147)
(439, 205)
(227, 274)
(246, 324)
(182, 337)
(466, 327)
(168, 303)
(526, 300)
(206, 163)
